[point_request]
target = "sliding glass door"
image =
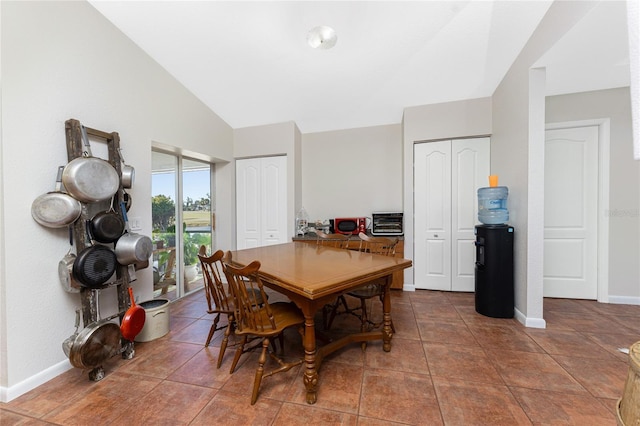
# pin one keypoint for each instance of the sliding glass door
(183, 221)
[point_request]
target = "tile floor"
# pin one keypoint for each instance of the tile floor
(448, 365)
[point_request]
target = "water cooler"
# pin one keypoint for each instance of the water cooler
(494, 271)
(494, 281)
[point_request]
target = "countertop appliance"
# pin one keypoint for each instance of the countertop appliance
(349, 225)
(387, 223)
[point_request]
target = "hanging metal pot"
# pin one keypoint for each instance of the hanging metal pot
(130, 247)
(90, 179)
(107, 226)
(65, 269)
(94, 265)
(56, 209)
(67, 344)
(128, 173)
(96, 343)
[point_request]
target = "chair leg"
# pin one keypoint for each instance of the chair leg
(364, 319)
(225, 341)
(260, 371)
(334, 310)
(213, 329)
(239, 351)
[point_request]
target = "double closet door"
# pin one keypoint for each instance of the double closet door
(447, 175)
(261, 201)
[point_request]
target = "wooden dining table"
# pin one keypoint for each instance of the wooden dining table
(313, 276)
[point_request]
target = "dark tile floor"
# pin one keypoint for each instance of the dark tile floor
(448, 365)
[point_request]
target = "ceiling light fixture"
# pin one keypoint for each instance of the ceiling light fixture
(322, 37)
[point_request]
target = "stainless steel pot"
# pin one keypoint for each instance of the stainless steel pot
(128, 174)
(96, 343)
(56, 209)
(65, 269)
(90, 179)
(130, 247)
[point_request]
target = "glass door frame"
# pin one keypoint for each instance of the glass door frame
(180, 284)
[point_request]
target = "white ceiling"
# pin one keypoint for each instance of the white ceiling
(250, 63)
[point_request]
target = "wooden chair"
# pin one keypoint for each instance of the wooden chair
(262, 322)
(376, 245)
(168, 278)
(219, 300)
(331, 240)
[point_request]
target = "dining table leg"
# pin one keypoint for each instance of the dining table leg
(310, 377)
(310, 368)
(387, 330)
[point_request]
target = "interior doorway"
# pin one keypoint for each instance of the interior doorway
(575, 221)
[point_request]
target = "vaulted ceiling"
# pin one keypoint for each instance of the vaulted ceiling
(251, 64)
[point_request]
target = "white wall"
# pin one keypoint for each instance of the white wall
(352, 173)
(431, 122)
(63, 60)
(624, 184)
(517, 154)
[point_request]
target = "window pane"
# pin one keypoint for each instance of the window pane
(163, 212)
(196, 217)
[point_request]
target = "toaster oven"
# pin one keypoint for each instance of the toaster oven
(387, 223)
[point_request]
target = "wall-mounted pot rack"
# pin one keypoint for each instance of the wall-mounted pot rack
(89, 296)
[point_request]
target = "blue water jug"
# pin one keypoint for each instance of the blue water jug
(492, 205)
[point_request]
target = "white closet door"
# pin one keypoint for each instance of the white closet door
(447, 176)
(274, 200)
(432, 186)
(261, 201)
(469, 171)
(248, 177)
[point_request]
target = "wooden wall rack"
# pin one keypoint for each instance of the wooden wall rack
(88, 297)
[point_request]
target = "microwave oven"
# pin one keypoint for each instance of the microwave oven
(387, 223)
(349, 225)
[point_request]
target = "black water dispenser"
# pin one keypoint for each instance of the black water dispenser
(494, 281)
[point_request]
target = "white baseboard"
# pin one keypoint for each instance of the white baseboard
(530, 322)
(624, 300)
(10, 393)
(408, 287)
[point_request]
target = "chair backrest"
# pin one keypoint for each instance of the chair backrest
(331, 240)
(252, 310)
(378, 245)
(170, 265)
(212, 270)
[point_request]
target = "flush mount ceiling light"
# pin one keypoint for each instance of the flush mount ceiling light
(322, 37)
